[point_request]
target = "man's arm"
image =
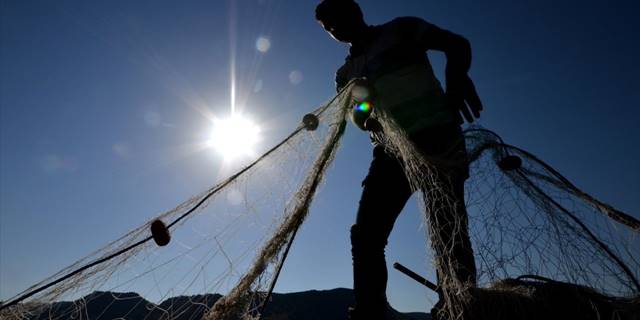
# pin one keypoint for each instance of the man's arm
(456, 48)
(461, 93)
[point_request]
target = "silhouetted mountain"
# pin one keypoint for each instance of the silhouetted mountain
(307, 305)
(185, 307)
(310, 305)
(317, 305)
(100, 305)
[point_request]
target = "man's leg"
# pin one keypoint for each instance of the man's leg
(450, 230)
(445, 196)
(385, 192)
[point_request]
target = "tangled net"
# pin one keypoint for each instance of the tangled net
(524, 219)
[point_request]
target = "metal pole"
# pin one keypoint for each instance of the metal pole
(416, 277)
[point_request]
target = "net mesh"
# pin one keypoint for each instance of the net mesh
(524, 219)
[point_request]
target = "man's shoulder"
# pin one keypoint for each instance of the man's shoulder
(403, 30)
(407, 23)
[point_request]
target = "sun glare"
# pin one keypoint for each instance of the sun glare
(234, 137)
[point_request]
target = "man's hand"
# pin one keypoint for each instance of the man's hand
(372, 125)
(462, 96)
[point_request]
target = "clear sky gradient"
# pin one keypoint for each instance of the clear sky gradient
(95, 123)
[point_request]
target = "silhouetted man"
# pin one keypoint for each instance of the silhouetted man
(392, 57)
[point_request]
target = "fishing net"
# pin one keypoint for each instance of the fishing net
(524, 218)
(233, 233)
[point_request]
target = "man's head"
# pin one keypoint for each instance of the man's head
(342, 19)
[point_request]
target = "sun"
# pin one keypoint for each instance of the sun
(234, 137)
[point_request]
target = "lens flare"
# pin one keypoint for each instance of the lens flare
(364, 107)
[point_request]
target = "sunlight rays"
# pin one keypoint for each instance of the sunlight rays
(234, 137)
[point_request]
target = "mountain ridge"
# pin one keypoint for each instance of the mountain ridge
(303, 305)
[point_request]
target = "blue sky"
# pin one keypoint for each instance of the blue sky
(95, 122)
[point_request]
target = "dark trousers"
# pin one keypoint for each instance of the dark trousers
(385, 192)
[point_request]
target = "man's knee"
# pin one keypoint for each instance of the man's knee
(357, 238)
(367, 240)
